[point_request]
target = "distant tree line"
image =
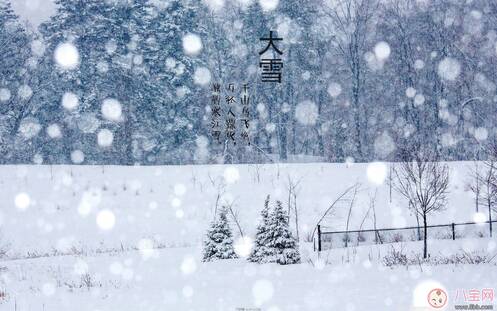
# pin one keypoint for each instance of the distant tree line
(363, 80)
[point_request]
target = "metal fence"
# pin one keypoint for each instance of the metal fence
(337, 239)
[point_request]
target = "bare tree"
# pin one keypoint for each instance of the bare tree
(330, 210)
(352, 22)
(488, 181)
(489, 191)
(474, 184)
(349, 214)
(372, 200)
(424, 184)
(293, 189)
(234, 214)
(483, 184)
(372, 203)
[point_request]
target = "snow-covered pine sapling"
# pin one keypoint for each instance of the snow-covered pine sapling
(218, 243)
(282, 241)
(261, 252)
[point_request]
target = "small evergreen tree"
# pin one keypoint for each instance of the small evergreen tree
(282, 242)
(262, 252)
(218, 243)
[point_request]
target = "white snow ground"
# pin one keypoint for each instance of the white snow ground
(175, 279)
(89, 210)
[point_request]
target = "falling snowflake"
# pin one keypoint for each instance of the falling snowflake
(214, 5)
(138, 60)
(77, 157)
(419, 64)
(38, 159)
(22, 201)
(447, 139)
(112, 110)
(48, 289)
(306, 113)
(54, 131)
(29, 128)
(116, 268)
(189, 265)
(410, 92)
(384, 145)
(25, 92)
(270, 127)
(377, 173)
(419, 100)
(243, 246)
(231, 175)
(111, 47)
(268, 5)
(38, 48)
(89, 201)
(192, 44)
(349, 161)
(334, 89)
(202, 76)
(170, 63)
(179, 189)
(146, 249)
(479, 218)
(4, 94)
(67, 56)
(180, 213)
(102, 67)
(88, 123)
(106, 219)
(187, 291)
(382, 50)
(70, 101)
(449, 69)
(105, 138)
(481, 133)
(202, 151)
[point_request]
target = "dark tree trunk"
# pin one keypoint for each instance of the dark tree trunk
(425, 238)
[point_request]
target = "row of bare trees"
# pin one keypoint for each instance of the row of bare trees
(424, 183)
(483, 184)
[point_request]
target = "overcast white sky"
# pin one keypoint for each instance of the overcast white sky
(35, 11)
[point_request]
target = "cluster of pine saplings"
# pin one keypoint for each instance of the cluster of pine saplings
(274, 242)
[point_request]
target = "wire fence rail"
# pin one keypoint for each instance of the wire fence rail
(338, 239)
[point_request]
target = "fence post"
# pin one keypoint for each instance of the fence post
(453, 231)
(319, 238)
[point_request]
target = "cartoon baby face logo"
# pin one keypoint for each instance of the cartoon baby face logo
(437, 298)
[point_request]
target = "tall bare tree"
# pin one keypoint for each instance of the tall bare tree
(425, 184)
(352, 22)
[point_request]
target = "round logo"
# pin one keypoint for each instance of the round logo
(437, 298)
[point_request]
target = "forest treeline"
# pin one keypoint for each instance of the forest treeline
(362, 80)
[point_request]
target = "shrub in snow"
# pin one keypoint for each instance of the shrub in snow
(395, 258)
(262, 252)
(282, 241)
(218, 243)
(274, 241)
(398, 258)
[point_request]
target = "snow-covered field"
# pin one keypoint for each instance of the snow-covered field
(175, 279)
(104, 207)
(128, 238)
